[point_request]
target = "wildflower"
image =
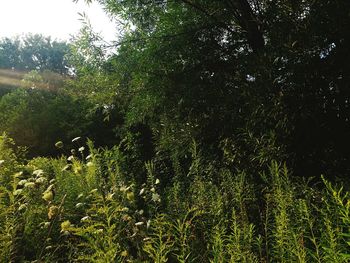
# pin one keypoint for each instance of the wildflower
(110, 196)
(99, 231)
(59, 144)
(139, 223)
(89, 164)
(124, 253)
(141, 212)
(157, 181)
(85, 219)
(78, 205)
(70, 158)
(88, 157)
(22, 182)
(65, 225)
(130, 196)
(17, 175)
(126, 218)
(22, 207)
(48, 196)
(51, 186)
(66, 168)
(93, 191)
(38, 172)
(53, 211)
(142, 191)
(81, 149)
(29, 184)
(41, 180)
(156, 197)
(52, 181)
(153, 189)
(77, 169)
(123, 189)
(2, 161)
(17, 192)
(76, 139)
(46, 224)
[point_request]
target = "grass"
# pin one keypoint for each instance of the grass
(91, 210)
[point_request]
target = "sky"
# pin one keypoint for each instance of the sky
(56, 18)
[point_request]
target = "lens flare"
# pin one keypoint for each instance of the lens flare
(11, 78)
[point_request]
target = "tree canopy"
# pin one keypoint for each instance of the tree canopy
(240, 71)
(34, 52)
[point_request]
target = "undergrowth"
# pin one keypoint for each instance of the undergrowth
(85, 207)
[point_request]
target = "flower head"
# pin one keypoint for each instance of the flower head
(65, 225)
(76, 139)
(48, 196)
(155, 197)
(59, 144)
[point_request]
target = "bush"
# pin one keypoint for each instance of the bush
(86, 208)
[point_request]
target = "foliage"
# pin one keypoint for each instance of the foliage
(38, 118)
(213, 122)
(34, 52)
(85, 208)
(239, 70)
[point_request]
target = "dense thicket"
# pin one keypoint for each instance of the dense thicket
(87, 208)
(37, 119)
(267, 77)
(196, 111)
(35, 109)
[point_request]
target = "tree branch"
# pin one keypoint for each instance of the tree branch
(249, 23)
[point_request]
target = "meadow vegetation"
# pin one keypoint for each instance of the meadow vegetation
(88, 208)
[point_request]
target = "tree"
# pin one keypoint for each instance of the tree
(262, 75)
(34, 52)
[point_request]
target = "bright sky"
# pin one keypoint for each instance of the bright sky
(56, 18)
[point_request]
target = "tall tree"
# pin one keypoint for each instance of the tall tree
(34, 52)
(269, 77)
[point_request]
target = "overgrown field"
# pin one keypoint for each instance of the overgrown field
(208, 131)
(85, 208)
